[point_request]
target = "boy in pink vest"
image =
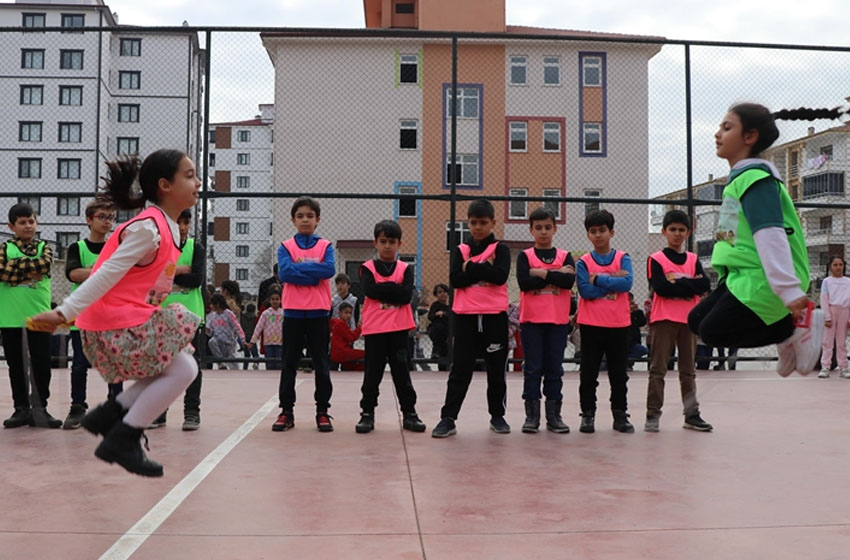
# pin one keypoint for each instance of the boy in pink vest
(604, 278)
(305, 264)
(479, 273)
(677, 281)
(545, 276)
(386, 320)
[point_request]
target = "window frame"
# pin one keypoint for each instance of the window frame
(517, 191)
(42, 15)
(29, 162)
(585, 132)
(552, 61)
(550, 124)
(66, 162)
(402, 63)
(553, 193)
(406, 126)
(243, 251)
(129, 141)
(589, 62)
(65, 239)
(132, 108)
(133, 41)
(31, 88)
(70, 90)
(518, 61)
(243, 135)
(33, 201)
(462, 97)
(71, 17)
(134, 76)
(69, 128)
(68, 63)
(246, 179)
(243, 204)
(243, 228)
(461, 228)
(242, 274)
(243, 158)
(462, 163)
(27, 55)
(408, 189)
(29, 126)
(74, 209)
(520, 127)
(592, 206)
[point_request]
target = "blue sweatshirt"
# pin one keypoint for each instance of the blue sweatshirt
(305, 273)
(604, 284)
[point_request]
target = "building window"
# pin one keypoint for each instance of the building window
(823, 184)
(32, 95)
(519, 70)
(128, 113)
(553, 205)
(242, 228)
(122, 216)
(243, 136)
(68, 168)
(29, 131)
(70, 95)
(591, 71)
(29, 168)
(212, 136)
(519, 137)
(551, 70)
(551, 137)
(242, 205)
(408, 69)
(591, 206)
(518, 208)
(73, 20)
(242, 251)
(404, 8)
(33, 20)
(32, 59)
(33, 201)
(212, 159)
(407, 207)
(592, 138)
(825, 224)
(128, 146)
(407, 135)
(70, 132)
(466, 170)
(70, 60)
(131, 47)
(129, 80)
(460, 234)
(64, 240)
(467, 103)
(68, 206)
(242, 274)
(243, 159)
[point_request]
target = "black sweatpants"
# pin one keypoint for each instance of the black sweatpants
(614, 344)
(382, 348)
(39, 349)
(722, 320)
(485, 334)
(314, 334)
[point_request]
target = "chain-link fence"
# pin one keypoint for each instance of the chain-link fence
(411, 126)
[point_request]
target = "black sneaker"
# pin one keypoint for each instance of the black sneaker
(366, 424)
(695, 422)
(652, 424)
(21, 417)
(191, 421)
(412, 422)
(159, 422)
(444, 429)
(285, 421)
(587, 424)
(498, 425)
(75, 417)
(621, 422)
(50, 421)
(323, 422)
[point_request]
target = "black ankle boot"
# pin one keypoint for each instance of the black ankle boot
(412, 422)
(532, 416)
(621, 422)
(588, 419)
(21, 417)
(103, 417)
(122, 445)
(554, 422)
(366, 424)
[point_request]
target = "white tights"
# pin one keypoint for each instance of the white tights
(147, 398)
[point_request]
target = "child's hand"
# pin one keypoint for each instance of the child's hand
(538, 272)
(797, 307)
(567, 269)
(47, 321)
(620, 273)
(827, 323)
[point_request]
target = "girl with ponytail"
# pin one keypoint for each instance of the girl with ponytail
(126, 334)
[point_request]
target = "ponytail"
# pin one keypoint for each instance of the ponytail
(123, 172)
(757, 117)
(806, 114)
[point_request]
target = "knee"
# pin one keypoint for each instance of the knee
(185, 367)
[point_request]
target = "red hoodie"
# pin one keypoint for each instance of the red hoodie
(342, 340)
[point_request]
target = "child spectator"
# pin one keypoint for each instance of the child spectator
(247, 321)
(545, 276)
(438, 326)
(25, 290)
(269, 327)
(343, 338)
(479, 273)
(231, 293)
(343, 294)
(306, 263)
(677, 281)
(224, 331)
(835, 302)
(638, 320)
(387, 288)
(604, 278)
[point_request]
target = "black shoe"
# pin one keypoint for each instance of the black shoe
(285, 421)
(49, 420)
(412, 422)
(621, 422)
(103, 417)
(695, 422)
(122, 445)
(444, 429)
(366, 424)
(498, 425)
(75, 417)
(532, 416)
(21, 417)
(554, 422)
(159, 422)
(587, 423)
(191, 421)
(652, 423)
(323, 421)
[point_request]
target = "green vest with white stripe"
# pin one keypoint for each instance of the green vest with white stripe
(27, 298)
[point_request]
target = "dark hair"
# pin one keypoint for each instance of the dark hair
(232, 286)
(389, 228)
(759, 118)
(345, 305)
(122, 173)
(185, 215)
(676, 217)
(481, 208)
(541, 215)
(274, 290)
(97, 204)
(843, 262)
(443, 287)
(20, 210)
(806, 114)
(599, 218)
(217, 300)
(342, 277)
(308, 201)
(251, 308)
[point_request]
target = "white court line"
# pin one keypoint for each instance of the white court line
(147, 525)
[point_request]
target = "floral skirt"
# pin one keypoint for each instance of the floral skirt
(142, 351)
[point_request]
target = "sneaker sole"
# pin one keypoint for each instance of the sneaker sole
(530, 430)
(451, 432)
(696, 428)
(360, 430)
(190, 427)
(67, 426)
(325, 428)
(652, 429)
(109, 459)
(276, 428)
(587, 430)
(418, 429)
(558, 430)
(499, 430)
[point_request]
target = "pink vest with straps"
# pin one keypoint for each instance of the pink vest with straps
(550, 305)
(135, 297)
(481, 298)
(379, 317)
(673, 309)
(611, 310)
(307, 297)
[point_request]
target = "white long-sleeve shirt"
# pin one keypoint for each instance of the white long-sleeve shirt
(834, 291)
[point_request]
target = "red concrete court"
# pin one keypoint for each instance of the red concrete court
(770, 482)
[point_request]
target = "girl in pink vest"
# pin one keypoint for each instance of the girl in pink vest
(126, 334)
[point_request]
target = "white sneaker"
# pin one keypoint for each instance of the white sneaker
(808, 346)
(845, 373)
(824, 373)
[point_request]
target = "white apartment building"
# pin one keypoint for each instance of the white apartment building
(75, 99)
(239, 230)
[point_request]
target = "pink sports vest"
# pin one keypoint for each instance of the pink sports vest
(551, 305)
(132, 301)
(381, 317)
(307, 297)
(481, 298)
(673, 309)
(609, 311)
